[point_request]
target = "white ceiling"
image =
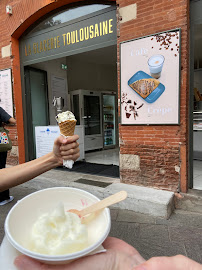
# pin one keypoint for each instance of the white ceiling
(104, 56)
(107, 56)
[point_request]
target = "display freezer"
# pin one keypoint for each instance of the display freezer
(109, 120)
(86, 106)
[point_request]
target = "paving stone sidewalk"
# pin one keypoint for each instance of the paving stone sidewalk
(152, 236)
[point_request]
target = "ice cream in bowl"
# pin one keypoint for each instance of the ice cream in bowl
(40, 225)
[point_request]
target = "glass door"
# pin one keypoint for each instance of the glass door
(92, 115)
(37, 105)
(76, 108)
(109, 121)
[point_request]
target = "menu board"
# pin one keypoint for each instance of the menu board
(45, 136)
(6, 97)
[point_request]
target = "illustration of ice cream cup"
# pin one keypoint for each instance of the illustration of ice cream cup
(155, 64)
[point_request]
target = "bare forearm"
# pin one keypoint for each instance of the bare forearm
(12, 121)
(19, 174)
(67, 149)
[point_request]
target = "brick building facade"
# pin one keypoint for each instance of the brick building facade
(153, 156)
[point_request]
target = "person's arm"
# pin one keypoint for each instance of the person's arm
(12, 121)
(63, 149)
(6, 118)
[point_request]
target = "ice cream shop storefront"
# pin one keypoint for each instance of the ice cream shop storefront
(123, 71)
(69, 63)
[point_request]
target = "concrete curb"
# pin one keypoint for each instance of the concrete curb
(158, 203)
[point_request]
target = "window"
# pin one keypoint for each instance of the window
(67, 15)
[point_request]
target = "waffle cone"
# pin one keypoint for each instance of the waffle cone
(67, 127)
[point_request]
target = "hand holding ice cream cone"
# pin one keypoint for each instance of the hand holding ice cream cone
(67, 122)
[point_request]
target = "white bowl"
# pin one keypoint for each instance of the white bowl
(21, 217)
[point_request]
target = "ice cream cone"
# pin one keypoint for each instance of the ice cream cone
(67, 127)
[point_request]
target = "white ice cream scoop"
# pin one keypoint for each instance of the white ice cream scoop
(64, 116)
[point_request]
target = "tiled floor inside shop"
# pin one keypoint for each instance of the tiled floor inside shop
(108, 156)
(197, 174)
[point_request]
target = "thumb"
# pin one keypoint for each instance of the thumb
(60, 140)
(178, 262)
(22, 262)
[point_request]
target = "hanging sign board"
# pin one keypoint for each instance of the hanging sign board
(6, 97)
(90, 32)
(150, 71)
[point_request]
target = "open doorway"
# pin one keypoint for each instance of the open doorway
(79, 58)
(91, 79)
(196, 92)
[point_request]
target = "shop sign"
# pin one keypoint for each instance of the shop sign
(70, 38)
(150, 76)
(6, 95)
(63, 66)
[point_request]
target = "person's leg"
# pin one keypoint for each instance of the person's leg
(4, 196)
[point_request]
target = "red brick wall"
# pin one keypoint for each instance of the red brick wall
(25, 12)
(6, 63)
(159, 147)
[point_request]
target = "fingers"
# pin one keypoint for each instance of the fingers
(121, 246)
(62, 140)
(68, 147)
(178, 262)
(109, 260)
(23, 263)
(69, 139)
(70, 151)
(101, 261)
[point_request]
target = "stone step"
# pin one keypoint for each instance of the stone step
(144, 200)
(191, 201)
(159, 203)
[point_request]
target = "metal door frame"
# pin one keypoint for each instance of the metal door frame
(28, 110)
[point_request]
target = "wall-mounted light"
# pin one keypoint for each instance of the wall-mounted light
(9, 10)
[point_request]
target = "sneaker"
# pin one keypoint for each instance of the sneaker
(7, 201)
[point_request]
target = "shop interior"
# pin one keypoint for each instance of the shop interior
(197, 106)
(86, 84)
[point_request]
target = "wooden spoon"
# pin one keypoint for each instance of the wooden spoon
(115, 198)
